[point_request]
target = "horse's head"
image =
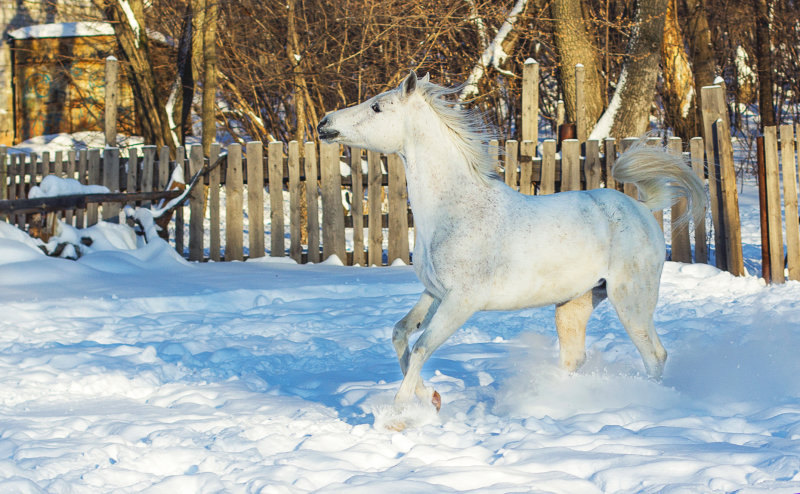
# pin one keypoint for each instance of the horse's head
(376, 124)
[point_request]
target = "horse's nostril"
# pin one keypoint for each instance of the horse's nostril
(322, 123)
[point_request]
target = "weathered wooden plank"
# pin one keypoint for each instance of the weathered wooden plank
(95, 177)
(3, 172)
(592, 167)
(357, 206)
(548, 183)
(148, 162)
(530, 101)
(332, 212)
(111, 101)
(295, 230)
(789, 168)
(610, 159)
(73, 201)
(277, 221)
(132, 171)
(713, 107)
(196, 206)
(570, 165)
(398, 210)
(374, 202)
(527, 149)
(774, 226)
(681, 245)
(234, 205)
(730, 203)
(69, 216)
(582, 126)
(215, 225)
(511, 163)
(58, 165)
(624, 145)
(255, 202)
(46, 165)
(180, 161)
(312, 200)
(696, 148)
(161, 174)
(111, 180)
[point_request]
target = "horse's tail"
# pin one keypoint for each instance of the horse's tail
(662, 178)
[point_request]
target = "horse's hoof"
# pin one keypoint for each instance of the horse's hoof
(397, 426)
(437, 400)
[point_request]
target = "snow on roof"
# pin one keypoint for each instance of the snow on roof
(63, 30)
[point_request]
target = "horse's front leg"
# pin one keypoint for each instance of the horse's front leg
(445, 319)
(414, 321)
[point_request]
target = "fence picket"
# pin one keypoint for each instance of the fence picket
(611, 158)
(255, 201)
(357, 206)
(511, 163)
(398, 208)
(70, 172)
(295, 247)
(234, 202)
(3, 173)
(528, 150)
(214, 236)
(713, 107)
(332, 211)
(312, 200)
(773, 205)
(180, 161)
(374, 202)
(530, 101)
(789, 169)
(681, 245)
(277, 220)
(570, 165)
(94, 174)
(700, 245)
(548, 181)
(592, 168)
(733, 228)
(111, 180)
(161, 173)
(196, 206)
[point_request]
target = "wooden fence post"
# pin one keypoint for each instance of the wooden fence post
(723, 153)
(398, 211)
(162, 177)
(611, 158)
(527, 149)
(570, 165)
(332, 211)
(180, 161)
(312, 197)
(215, 224)
(582, 126)
(234, 210)
(357, 206)
(111, 180)
(700, 245)
(681, 245)
(277, 223)
(713, 107)
(3, 173)
(530, 101)
(593, 171)
(374, 202)
(789, 168)
(774, 227)
(629, 189)
(511, 162)
(254, 155)
(196, 206)
(111, 101)
(295, 247)
(547, 184)
(94, 174)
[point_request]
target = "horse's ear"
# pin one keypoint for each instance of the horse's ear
(409, 84)
(426, 77)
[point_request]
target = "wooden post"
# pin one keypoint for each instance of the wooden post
(295, 230)
(374, 202)
(277, 222)
(180, 161)
(332, 211)
(3, 173)
(681, 245)
(94, 174)
(530, 101)
(357, 206)
(312, 198)
(58, 166)
(570, 165)
(629, 189)
(560, 114)
(45, 163)
(591, 165)
(713, 107)
(214, 237)
(528, 150)
(234, 210)
(511, 163)
(398, 210)
(69, 216)
(762, 209)
(196, 207)
(111, 101)
(148, 168)
(163, 169)
(700, 245)
(111, 180)
(254, 153)
(774, 227)
(611, 158)
(789, 168)
(548, 181)
(733, 228)
(580, 104)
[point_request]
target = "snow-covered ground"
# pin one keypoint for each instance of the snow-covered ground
(135, 371)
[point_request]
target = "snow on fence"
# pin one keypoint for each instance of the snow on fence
(306, 179)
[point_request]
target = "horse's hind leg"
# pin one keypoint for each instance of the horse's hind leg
(635, 302)
(571, 320)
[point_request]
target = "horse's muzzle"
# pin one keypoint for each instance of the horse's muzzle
(326, 134)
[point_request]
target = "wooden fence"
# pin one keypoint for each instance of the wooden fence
(378, 204)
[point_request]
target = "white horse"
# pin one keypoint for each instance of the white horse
(482, 246)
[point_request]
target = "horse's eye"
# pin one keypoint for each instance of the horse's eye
(376, 107)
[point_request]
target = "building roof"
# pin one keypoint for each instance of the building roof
(63, 30)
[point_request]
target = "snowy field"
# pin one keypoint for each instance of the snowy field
(135, 371)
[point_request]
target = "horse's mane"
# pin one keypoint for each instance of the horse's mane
(471, 132)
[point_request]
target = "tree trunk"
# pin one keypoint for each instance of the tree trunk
(628, 114)
(575, 46)
(132, 38)
(701, 52)
(679, 92)
(300, 99)
(764, 63)
(209, 75)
